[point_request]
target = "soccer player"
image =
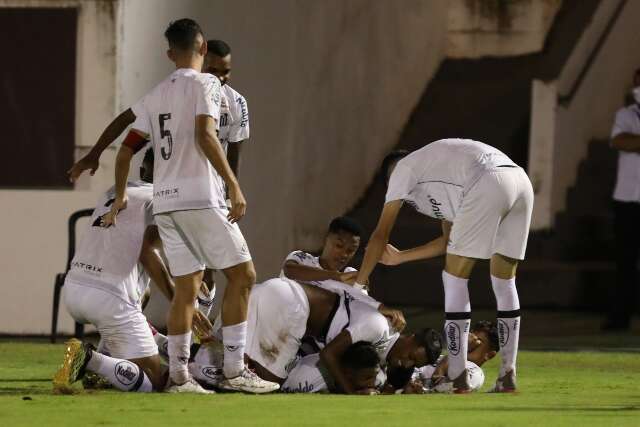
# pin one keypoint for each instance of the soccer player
(234, 116)
(359, 362)
(282, 311)
(330, 270)
(484, 201)
(105, 286)
(180, 116)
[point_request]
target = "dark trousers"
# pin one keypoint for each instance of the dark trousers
(627, 235)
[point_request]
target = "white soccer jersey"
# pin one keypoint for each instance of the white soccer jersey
(364, 323)
(234, 117)
(183, 177)
(627, 187)
(107, 258)
(434, 178)
(304, 258)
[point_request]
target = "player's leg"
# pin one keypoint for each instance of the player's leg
(509, 247)
(457, 307)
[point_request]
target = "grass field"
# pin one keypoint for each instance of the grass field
(557, 388)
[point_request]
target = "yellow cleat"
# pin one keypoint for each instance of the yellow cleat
(75, 361)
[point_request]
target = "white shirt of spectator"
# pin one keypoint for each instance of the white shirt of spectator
(107, 258)
(183, 177)
(304, 258)
(234, 117)
(435, 178)
(628, 180)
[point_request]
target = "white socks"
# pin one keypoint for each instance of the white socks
(508, 321)
(234, 338)
(124, 375)
(457, 309)
(179, 357)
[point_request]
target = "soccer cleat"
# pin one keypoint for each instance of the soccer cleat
(191, 386)
(93, 381)
(248, 382)
(505, 384)
(461, 384)
(76, 357)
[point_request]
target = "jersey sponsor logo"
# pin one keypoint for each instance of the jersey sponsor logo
(300, 388)
(87, 268)
(172, 193)
(453, 338)
(381, 344)
(435, 208)
(244, 121)
(503, 332)
(125, 373)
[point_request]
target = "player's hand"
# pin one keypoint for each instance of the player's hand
(109, 219)
(395, 317)
(201, 326)
(348, 277)
(87, 162)
(413, 387)
(391, 255)
(238, 204)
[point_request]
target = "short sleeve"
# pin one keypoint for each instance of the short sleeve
(240, 126)
(372, 328)
(624, 122)
(208, 98)
(401, 183)
(142, 122)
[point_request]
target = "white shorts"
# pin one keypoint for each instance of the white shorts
(306, 376)
(122, 326)
(195, 239)
(276, 323)
(494, 216)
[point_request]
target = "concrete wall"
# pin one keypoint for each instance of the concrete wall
(589, 115)
(329, 84)
(480, 28)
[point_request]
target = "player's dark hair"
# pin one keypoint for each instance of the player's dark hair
(431, 340)
(492, 331)
(218, 48)
(360, 355)
(390, 160)
(399, 377)
(182, 34)
(344, 223)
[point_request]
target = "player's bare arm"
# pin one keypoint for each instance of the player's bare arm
(91, 161)
(208, 141)
(304, 273)
(626, 142)
(330, 357)
(435, 248)
(379, 239)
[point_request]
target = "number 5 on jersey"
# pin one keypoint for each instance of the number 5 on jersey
(166, 154)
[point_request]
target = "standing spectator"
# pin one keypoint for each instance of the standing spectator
(625, 137)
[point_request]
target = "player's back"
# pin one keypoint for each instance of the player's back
(107, 258)
(183, 177)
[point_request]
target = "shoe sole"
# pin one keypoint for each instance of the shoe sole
(229, 387)
(69, 371)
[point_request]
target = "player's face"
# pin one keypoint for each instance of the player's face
(411, 356)
(479, 347)
(219, 67)
(362, 378)
(339, 248)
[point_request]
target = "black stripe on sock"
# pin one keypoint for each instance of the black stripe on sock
(508, 314)
(139, 381)
(462, 315)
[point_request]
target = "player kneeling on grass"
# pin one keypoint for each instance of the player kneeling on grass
(105, 286)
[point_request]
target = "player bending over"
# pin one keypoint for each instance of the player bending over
(180, 117)
(484, 201)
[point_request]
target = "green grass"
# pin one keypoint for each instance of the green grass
(578, 389)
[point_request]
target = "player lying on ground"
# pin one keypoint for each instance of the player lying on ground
(282, 311)
(180, 117)
(484, 201)
(105, 286)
